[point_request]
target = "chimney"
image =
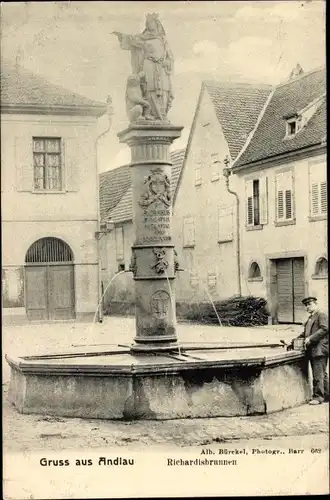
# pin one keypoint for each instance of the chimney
(296, 72)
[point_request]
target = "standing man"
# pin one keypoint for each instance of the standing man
(316, 335)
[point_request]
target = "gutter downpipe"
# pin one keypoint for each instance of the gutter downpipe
(226, 174)
(99, 281)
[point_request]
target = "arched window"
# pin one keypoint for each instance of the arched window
(49, 250)
(254, 272)
(321, 268)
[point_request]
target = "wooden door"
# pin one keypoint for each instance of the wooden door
(36, 292)
(284, 291)
(290, 290)
(61, 292)
(49, 292)
(298, 275)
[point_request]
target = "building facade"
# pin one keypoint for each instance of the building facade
(50, 209)
(205, 213)
(281, 178)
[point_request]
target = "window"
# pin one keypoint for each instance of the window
(225, 224)
(104, 253)
(254, 272)
(194, 279)
(198, 174)
(188, 232)
(284, 196)
(47, 164)
(215, 166)
(318, 189)
(321, 268)
(119, 232)
(293, 126)
(211, 280)
(256, 202)
(121, 267)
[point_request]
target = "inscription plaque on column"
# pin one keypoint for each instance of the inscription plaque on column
(155, 201)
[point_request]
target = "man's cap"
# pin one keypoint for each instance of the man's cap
(307, 300)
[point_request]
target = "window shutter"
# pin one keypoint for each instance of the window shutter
(188, 231)
(70, 163)
(211, 280)
(24, 163)
(318, 189)
(284, 195)
(288, 204)
(104, 253)
(324, 197)
(249, 202)
(119, 243)
(191, 227)
(194, 279)
(263, 200)
(280, 205)
(314, 198)
(198, 174)
(185, 232)
(215, 165)
(225, 224)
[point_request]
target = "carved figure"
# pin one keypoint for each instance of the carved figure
(151, 55)
(158, 189)
(161, 263)
(135, 103)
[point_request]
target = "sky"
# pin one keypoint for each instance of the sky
(70, 44)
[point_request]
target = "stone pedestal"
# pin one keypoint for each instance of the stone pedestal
(153, 262)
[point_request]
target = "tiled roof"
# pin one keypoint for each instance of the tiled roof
(268, 139)
(124, 210)
(237, 106)
(22, 88)
(113, 186)
(116, 189)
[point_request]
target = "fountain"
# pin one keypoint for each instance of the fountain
(156, 377)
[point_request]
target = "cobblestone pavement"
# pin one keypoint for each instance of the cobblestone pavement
(26, 432)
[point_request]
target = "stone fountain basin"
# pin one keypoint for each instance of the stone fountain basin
(202, 381)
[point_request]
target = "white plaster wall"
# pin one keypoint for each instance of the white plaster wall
(82, 204)
(202, 202)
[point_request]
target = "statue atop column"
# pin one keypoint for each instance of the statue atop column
(149, 89)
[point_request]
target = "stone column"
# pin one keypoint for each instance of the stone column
(153, 262)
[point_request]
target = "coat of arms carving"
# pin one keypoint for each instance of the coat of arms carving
(158, 188)
(160, 304)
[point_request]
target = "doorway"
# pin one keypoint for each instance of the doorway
(290, 290)
(49, 280)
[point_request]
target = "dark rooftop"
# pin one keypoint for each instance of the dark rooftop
(288, 100)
